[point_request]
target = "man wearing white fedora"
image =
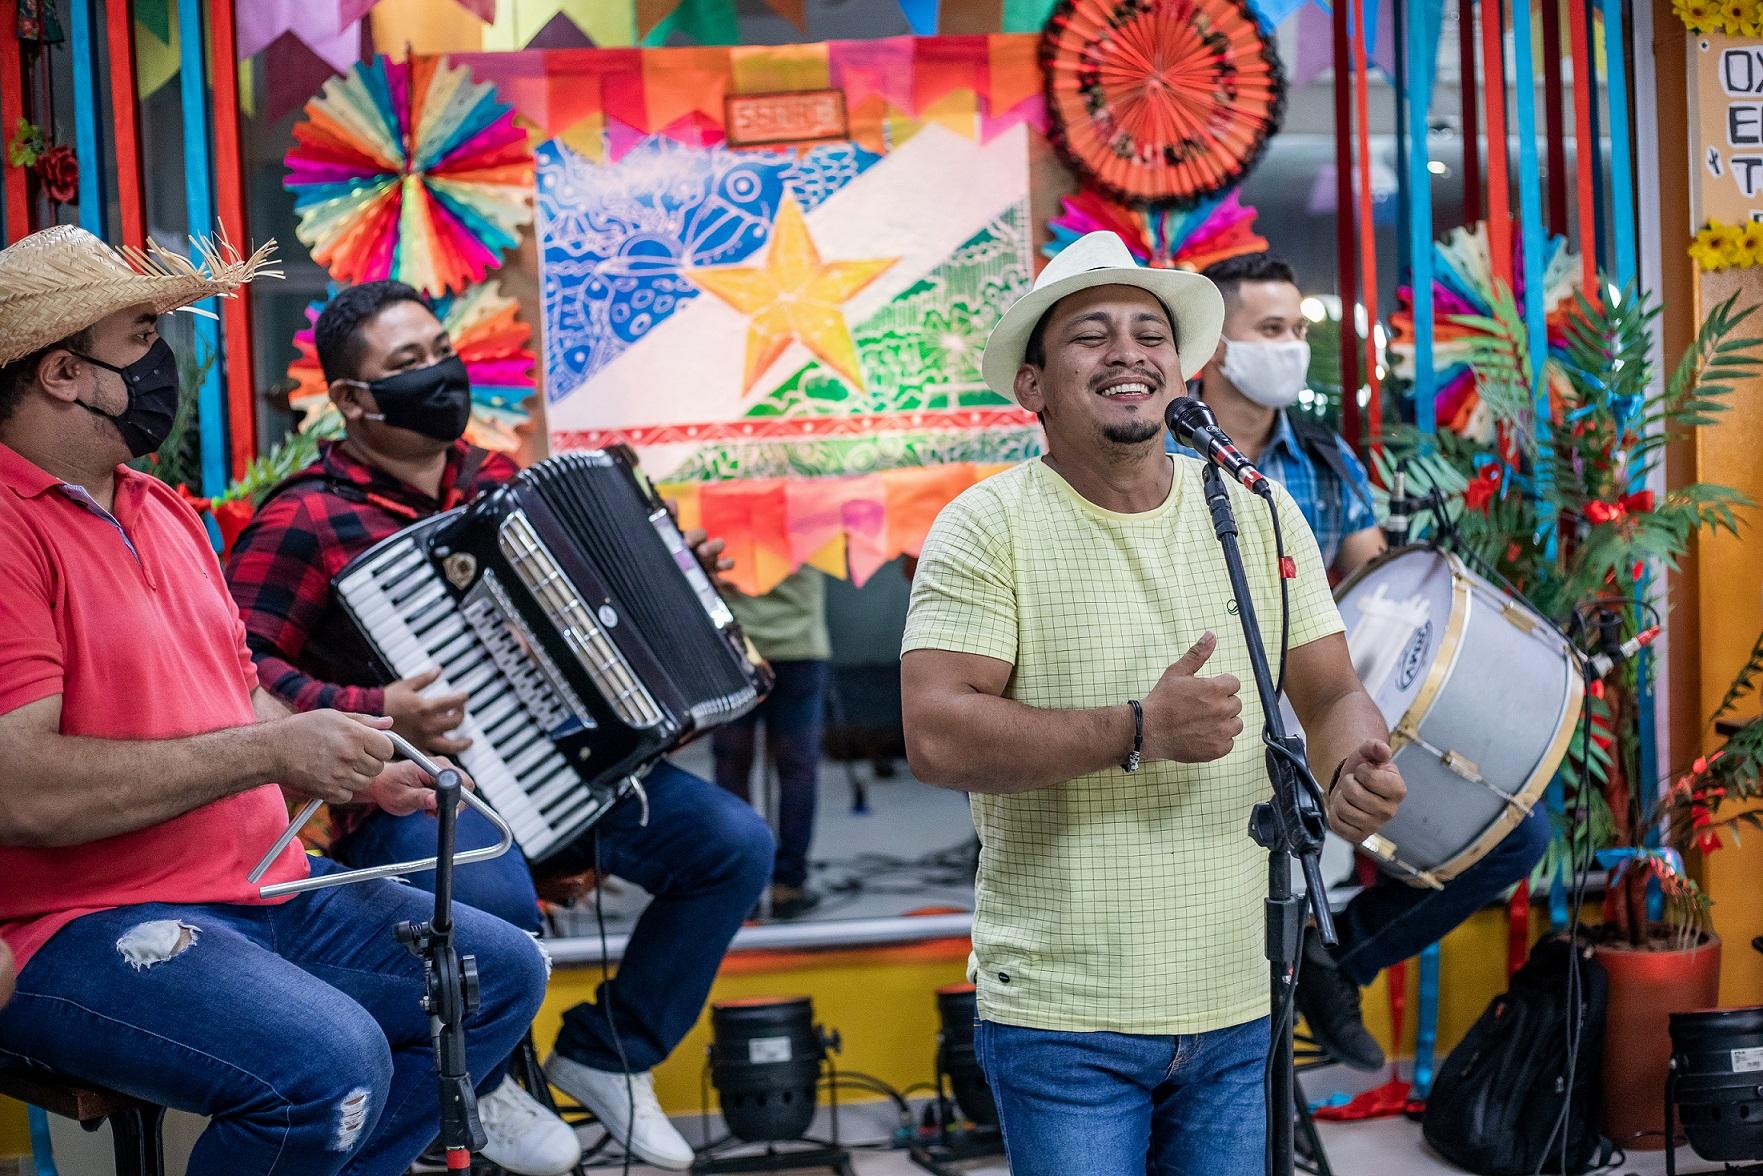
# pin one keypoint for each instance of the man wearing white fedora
(139, 764)
(1073, 660)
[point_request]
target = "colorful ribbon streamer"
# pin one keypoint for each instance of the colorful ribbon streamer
(1426, 1032)
(85, 118)
(199, 206)
(1422, 36)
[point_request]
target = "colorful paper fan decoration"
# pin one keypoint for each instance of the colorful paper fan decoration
(410, 170)
(488, 336)
(1463, 288)
(1160, 101)
(1162, 238)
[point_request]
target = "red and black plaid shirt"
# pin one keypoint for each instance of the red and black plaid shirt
(280, 567)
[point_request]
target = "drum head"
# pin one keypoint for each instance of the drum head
(1396, 612)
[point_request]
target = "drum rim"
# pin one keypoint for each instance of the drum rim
(1524, 798)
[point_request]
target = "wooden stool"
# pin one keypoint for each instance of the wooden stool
(134, 1125)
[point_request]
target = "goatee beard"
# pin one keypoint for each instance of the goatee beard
(1132, 433)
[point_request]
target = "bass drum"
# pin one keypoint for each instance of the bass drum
(1481, 695)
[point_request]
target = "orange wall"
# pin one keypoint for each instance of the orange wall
(1729, 600)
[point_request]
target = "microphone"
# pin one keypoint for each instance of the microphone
(1194, 426)
(1602, 663)
(1395, 527)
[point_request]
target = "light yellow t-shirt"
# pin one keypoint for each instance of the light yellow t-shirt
(1115, 901)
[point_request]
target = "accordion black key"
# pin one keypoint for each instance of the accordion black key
(568, 606)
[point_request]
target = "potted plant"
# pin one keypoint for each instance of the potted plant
(1557, 504)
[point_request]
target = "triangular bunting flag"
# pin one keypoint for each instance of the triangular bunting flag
(794, 11)
(921, 15)
(651, 13)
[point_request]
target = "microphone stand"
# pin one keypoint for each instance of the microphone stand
(1290, 826)
(450, 980)
(450, 988)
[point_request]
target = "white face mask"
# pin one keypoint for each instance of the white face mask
(1270, 374)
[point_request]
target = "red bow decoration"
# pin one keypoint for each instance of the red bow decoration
(1640, 502)
(1482, 488)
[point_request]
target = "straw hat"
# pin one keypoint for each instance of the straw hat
(61, 280)
(1101, 258)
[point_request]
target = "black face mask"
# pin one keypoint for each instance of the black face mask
(434, 401)
(152, 382)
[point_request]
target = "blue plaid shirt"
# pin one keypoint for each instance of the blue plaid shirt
(1331, 513)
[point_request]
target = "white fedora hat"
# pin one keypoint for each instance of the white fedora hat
(1196, 309)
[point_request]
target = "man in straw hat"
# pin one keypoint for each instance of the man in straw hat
(138, 769)
(1074, 660)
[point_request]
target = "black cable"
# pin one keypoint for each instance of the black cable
(1286, 1014)
(630, 1086)
(1575, 1025)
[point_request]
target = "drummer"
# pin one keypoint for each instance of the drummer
(1260, 368)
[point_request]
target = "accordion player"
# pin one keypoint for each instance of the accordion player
(569, 606)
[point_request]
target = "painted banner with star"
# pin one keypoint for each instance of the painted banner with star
(788, 332)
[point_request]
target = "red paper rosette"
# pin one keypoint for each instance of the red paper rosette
(1160, 102)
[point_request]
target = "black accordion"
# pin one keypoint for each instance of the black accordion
(568, 606)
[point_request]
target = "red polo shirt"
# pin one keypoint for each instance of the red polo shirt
(126, 617)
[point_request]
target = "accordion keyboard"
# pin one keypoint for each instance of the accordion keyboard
(416, 624)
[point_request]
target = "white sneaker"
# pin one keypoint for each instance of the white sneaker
(522, 1136)
(649, 1135)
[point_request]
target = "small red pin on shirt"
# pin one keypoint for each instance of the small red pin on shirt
(1288, 568)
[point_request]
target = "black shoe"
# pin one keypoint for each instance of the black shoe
(792, 902)
(1331, 1008)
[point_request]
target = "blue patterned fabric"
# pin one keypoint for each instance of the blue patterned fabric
(1332, 511)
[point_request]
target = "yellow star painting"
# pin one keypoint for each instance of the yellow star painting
(794, 296)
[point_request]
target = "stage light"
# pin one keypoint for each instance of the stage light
(945, 1144)
(957, 1009)
(1716, 1085)
(767, 1057)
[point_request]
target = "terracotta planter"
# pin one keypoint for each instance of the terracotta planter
(1646, 987)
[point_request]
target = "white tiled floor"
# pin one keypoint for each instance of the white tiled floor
(1383, 1147)
(1380, 1147)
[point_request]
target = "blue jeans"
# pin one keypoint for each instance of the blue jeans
(1390, 921)
(1124, 1104)
(793, 715)
(295, 1027)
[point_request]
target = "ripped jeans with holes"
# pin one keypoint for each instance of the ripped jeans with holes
(296, 1028)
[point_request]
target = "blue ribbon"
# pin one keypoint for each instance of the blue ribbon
(1530, 205)
(1421, 58)
(1426, 1033)
(1621, 166)
(199, 205)
(921, 15)
(85, 118)
(42, 1147)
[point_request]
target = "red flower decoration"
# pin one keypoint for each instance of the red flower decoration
(1482, 488)
(59, 169)
(1639, 502)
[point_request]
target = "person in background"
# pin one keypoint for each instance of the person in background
(405, 400)
(139, 768)
(788, 627)
(1253, 385)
